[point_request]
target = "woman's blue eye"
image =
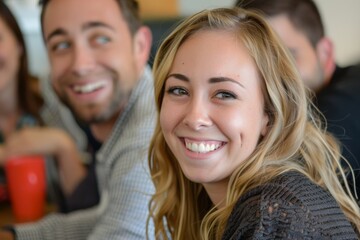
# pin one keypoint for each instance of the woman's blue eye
(225, 95)
(177, 91)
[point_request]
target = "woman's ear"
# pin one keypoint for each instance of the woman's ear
(265, 124)
(20, 50)
(142, 45)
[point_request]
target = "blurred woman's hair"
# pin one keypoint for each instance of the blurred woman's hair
(30, 100)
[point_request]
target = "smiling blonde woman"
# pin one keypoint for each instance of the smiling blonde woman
(237, 152)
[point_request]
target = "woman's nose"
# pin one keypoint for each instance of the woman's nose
(198, 115)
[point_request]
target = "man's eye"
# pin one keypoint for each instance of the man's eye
(60, 46)
(177, 91)
(225, 95)
(102, 40)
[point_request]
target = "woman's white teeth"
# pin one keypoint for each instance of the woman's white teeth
(88, 87)
(202, 147)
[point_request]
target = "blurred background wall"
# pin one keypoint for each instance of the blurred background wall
(341, 18)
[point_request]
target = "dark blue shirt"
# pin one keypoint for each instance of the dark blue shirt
(86, 193)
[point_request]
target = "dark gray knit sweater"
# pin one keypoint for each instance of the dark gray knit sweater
(288, 207)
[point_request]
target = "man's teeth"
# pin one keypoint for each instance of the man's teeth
(202, 147)
(88, 87)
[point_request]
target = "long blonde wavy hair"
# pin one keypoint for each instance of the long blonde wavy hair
(296, 141)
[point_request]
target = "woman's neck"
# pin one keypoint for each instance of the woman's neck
(9, 108)
(9, 103)
(217, 192)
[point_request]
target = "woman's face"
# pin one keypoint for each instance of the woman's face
(10, 53)
(212, 113)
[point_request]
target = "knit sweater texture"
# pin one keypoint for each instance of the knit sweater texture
(288, 207)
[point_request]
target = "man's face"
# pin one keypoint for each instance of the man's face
(305, 55)
(94, 61)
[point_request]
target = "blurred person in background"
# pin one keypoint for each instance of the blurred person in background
(99, 71)
(20, 98)
(22, 118)
(299, 25)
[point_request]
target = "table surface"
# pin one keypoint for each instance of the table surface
(7, 217)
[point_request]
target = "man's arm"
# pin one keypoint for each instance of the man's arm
(121, 214)
(76, 225)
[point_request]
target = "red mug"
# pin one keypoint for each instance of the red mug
(26, 181)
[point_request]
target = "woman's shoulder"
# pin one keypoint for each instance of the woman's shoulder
(289, 205)
(294, 187)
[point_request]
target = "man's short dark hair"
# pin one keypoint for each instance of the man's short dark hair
(129, 9)
(303, 14)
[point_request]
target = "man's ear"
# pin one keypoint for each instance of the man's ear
(142, 45)
(326, 54)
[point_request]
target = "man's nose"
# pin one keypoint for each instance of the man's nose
(83, 60)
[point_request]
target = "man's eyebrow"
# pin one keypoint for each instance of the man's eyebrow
(56, 32)
(95, 24)
(89, 25)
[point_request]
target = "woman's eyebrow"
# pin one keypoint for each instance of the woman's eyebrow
(224, 79)
(179, 77)
(211, 80)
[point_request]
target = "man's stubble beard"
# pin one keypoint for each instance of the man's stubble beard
(118, 100)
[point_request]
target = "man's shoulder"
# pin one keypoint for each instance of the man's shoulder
(134, 127)
(341, 96)
(345, 79)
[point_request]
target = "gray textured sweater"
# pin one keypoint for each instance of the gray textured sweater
(288, 207)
